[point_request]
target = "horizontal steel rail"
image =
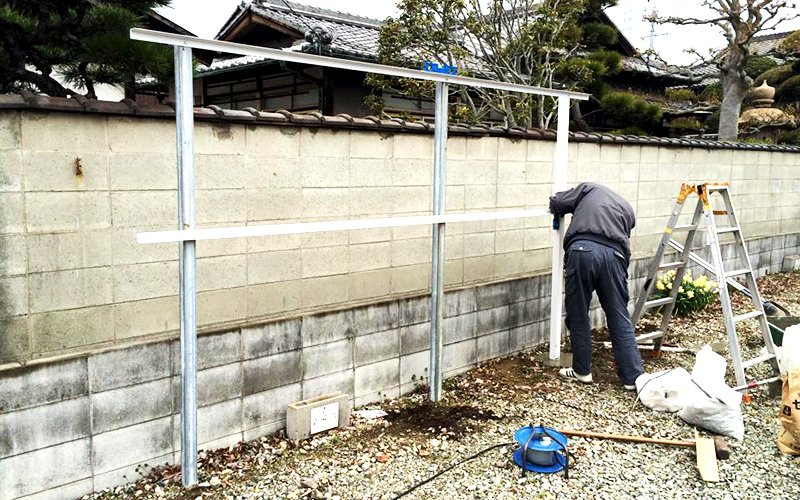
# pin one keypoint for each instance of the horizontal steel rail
(333, 62)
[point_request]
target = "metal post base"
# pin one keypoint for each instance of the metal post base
(564, 361)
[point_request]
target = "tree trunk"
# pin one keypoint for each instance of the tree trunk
(577, 116)
(734, 88)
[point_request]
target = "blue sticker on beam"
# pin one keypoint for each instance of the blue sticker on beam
(433, 67)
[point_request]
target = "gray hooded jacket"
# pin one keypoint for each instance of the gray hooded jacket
(599, 214)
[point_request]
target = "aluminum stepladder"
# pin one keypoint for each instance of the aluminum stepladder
(705, 213)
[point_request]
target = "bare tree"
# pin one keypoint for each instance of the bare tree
(740, 21)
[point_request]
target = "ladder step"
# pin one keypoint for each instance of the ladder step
(737, 272)
(750, 315)
(728, 229)
(649, 336)
(687, 227)
(672, 265)
(720, 212)
(719, 187)
(759, 359)
(658, 302)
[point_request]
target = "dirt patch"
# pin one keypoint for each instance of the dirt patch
(429, 417)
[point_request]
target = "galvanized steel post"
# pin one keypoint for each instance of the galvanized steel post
(437, 267)
(559, 184)
(184, 116)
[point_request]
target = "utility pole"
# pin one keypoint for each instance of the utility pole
(653, 34)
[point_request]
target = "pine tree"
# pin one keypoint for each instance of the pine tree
(85, 42)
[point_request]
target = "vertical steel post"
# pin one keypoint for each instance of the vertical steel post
(559, 184)
(437, 267)
(184, 117)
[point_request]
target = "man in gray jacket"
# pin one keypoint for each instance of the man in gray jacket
(598, 251)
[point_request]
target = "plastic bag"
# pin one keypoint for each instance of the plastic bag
(713, 405)
(664, 391)
(790, 351)
(789, 429)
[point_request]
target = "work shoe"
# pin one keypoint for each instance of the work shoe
(630, 387)
(570, 373)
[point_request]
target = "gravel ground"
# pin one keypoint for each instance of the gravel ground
(380, 458)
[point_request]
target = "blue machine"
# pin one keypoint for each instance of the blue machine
(542, 449)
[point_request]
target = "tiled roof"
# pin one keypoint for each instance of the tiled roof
(127, 107)
(764, 44)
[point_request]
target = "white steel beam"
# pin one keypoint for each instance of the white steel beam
(334, 62)
(559, 184)
(220, 233)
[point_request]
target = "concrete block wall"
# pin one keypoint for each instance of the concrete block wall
(108, 414)
(73, 280)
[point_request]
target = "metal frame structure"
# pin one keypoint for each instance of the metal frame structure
(187, 233)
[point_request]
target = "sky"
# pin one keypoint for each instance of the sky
(205, 17)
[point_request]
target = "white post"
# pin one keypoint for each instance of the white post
(559, 184)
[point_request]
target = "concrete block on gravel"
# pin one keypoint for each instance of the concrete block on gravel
(269, 407)
(141, 443)
(342, 381)
(377, 377)
(327, 358)
(131, 405)
(377, 347)
(37, 471)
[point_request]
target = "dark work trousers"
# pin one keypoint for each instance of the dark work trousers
(594, 267)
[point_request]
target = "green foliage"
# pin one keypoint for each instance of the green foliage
(630, 109)
(791, 137)
(684, 125)
(712, 93)
(85, 40)
(712, 121)
(755, 140)
(680, 95)
(789, 90)
(775, 76)
(758, 65)
(693, 294)
(629, 131)
(790, 44)
(597, 34)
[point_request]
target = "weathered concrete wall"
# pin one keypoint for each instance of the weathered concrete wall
(74, 279)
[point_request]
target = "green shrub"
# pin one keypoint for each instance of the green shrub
(712, 93)
(611, 61)
(791, 137)
(758, 65)
(685, 124)
(629, 131)
(597, 34)
(631, 111)
(789, 91)
(790, 44)
(680, 95)
(775, 76)
(712, 121)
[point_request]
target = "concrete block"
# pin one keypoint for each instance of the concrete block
(342, 381)
(409, 279)
(143, 171)
(328, 202)
(459, 355)
(369, 256)
(11, 218)
(30, 386)
(47, 171)
(33, 472)
(269, 372)
(377, 397)
(370, 202)
(457, 328)
(414, 368)
(219, 138)
(369, 172)
(412, 146)
(11, 130)
(131, 405)
(321, 142)
(522, 337)
(369, 145)
(324, 261)
(130, 366)
(324, 291)
(269, 407)
(300, 415)
(412, 251)
(214, 385)
(145, 281)
(460, 302)
(274, 204)
(414, 338)
(217, 171)
(213, 423)
(130, 473)
(126, 251)
(263, 430)
(791, 263)
(71, 289)
(77, 489)
(273, 172)
(478, 268)
(407, 200)
(493, 320)
(143, 317)
(494, 295)
(14, 345)
(214, 273)
(77, 327)
(141, 442)
(327, 358)
(369, 284)
(481, 196)
(136, 208)
(55, 423)
(271, 338)
(326, 172)
(222, 206)
(70, 211)
(270, 267)
(64, 251)
(47, 131)
(273, 298)
(521, 313)
(493, 345)
(413, 310)
(326, 328)
(412, 171)
(273, 141)
(221, 307)
(14, 292)
(377, 377)
(15, 255)
(324, 239)
(377, 347)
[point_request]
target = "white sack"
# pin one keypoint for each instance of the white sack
(790, 351)
(664, 391)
